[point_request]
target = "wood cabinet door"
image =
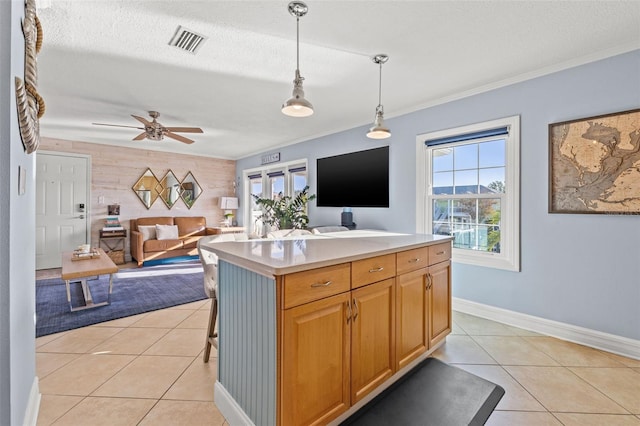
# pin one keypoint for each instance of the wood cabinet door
(372, 337)
(411, 328)
(315, 361)
(439, 297)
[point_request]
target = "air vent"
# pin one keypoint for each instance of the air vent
(188, 40)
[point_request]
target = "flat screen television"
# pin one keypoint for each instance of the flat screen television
(357, 179)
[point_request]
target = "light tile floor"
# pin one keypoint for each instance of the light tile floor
(148, 370)
(547, 381)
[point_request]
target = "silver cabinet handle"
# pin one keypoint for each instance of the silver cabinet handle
(348, 312)
(429, 281)
(376, 269)
(440, 252)
(325, 284)
(414, 260)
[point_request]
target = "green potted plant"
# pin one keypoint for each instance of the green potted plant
(285, 212)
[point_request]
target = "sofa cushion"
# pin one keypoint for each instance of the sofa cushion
(167, 232)
(161, 245)
(189, 226)
(148, 232)
(153, 221)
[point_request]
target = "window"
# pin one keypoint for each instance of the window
(255, 188)
(469, 189)
(276, 185)
(272, 182)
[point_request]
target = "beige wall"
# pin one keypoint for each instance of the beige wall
(114, 170)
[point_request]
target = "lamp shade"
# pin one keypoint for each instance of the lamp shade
(297, 107)
(378, 130)
(229, 203)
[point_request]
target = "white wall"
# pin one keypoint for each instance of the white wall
(17, 228)
(577, 269)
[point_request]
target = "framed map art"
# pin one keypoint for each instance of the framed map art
(594, 164)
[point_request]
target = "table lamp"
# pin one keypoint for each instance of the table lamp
(228, 204)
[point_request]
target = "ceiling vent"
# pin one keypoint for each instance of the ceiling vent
(188, 40)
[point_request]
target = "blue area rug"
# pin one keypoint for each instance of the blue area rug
(170, 260)
(135, 291)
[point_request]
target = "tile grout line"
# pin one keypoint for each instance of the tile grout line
(510, 375)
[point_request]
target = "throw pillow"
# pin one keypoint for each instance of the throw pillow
(167, 232)
(148, 232)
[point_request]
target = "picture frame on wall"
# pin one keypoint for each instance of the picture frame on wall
(594, 164)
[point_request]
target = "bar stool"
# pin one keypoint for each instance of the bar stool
(210, 270)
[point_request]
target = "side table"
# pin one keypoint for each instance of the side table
(79, 271)
(113, 243)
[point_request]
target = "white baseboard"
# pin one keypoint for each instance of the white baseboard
(33, 405)
(584, 336)
(231, 411)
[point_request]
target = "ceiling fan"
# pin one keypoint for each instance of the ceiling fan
(156, 131)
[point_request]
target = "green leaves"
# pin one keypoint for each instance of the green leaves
(285, 212)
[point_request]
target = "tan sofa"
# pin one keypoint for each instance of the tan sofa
(190, 230)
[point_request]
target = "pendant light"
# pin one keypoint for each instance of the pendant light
(378, 131)
(297, 105)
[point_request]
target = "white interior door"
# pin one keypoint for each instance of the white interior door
(62, 194)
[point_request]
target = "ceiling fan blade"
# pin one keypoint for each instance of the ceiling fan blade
(178, 137)
(117, 125)
(142, 120)
(140, 136)
(185, 129)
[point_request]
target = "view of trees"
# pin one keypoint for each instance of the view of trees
(474, 222)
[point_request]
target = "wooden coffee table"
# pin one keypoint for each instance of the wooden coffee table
(77, 271)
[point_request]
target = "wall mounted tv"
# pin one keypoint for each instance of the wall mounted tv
(357, 179)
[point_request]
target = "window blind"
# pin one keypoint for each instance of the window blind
(501, 131)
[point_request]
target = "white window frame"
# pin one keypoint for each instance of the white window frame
(509, 256)
(266, 187)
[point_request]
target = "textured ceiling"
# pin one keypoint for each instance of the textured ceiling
(102, 61)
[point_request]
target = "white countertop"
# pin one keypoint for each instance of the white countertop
(271, 257)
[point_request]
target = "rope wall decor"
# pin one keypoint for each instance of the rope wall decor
(30, 104)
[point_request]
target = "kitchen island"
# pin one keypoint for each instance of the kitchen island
(310, 329)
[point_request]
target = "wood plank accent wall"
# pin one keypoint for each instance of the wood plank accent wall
(114, 170)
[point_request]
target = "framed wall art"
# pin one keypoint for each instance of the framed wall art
(594, 164)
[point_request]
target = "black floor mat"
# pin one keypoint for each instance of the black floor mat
(432, 394)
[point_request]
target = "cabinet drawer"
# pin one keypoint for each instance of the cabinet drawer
(411, 260)
(307, 286)
(367, 271)
(439, 253)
